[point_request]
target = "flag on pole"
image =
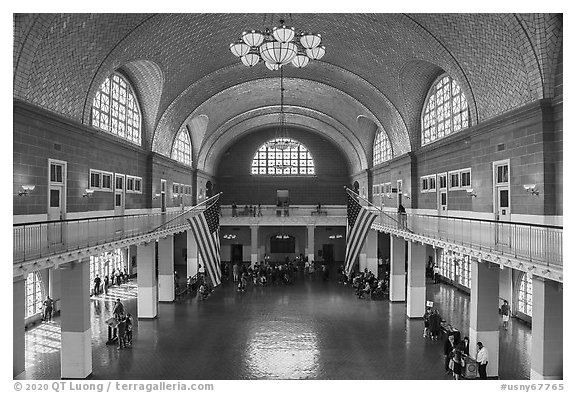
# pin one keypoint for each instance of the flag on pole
(359, 222)
(206, 230)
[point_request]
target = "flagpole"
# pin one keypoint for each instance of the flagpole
(367, 201)
(209, 200)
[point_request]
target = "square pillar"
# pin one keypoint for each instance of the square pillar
(54, 288)
(191, 255)
(397, 269)
(131, 261)
(547, 329)
(166, 269)
(147, 282)
(371, 247)
(311, 246)
(18, 337)
(416, 299)
(254, 245)
(76, 346)
(484, 317)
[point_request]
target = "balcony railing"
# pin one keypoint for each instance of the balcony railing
(531, 242)
(41, 239)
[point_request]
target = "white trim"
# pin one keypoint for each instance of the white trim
(25, 218)
(90, 214)
(537, 219)
(438, 176)
(449, 180)
(133, 190)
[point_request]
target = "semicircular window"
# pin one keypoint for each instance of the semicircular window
(382, 150)
(445, 111)
(283, 156)
(182, 148)
(116, 110)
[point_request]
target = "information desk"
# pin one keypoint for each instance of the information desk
(470, 369)
(112, 331)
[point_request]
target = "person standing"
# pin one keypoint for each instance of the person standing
(234, 209)
(106, 283)
(48, 305)
(448, 352)
(97, 282)
(482, 359)
(236, 272)
(505, 311)
(118, 309)
(401, 216)
(426, 317)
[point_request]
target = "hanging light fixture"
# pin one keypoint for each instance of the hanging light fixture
(278, 47)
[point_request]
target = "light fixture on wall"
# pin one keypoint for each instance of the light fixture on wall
(335, 237)
(283, 236)
(88, 193)
(156, 196)
(229, 236)
(532, 189)
(278, 47)
(26, 188)
(471, 192)
(406, 195)
(388, 195)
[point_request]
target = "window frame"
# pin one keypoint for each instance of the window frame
(462, 172)
(132, 190)
(101, 174)
(176, 152)
(452, 187)
(265, 154)
(381, 148)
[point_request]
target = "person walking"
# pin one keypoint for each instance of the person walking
(234, 209)
(482, 359)
(426, 317)
(106, 284)
(505, 311)
(118, 309)
(434, 322)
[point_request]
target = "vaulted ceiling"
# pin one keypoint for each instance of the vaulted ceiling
(375, 74)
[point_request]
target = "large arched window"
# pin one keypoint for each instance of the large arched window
(182, 148)
(282, 157)
(445, 110)
(116, 110)
(34, 294)
(105, 264)
(525, 295)
(382, 148)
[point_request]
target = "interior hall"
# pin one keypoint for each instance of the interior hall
(360, 196)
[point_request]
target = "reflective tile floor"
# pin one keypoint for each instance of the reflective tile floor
(310, 330)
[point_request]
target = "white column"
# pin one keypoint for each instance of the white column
(191, 254)
(397, 269)
(547, 330)
(371, 246)
(54, 288)
(76, 334)
(416, 298)
(166, 269)
(18, 337)
(310, 242)
(147, 283)
(254, 245)
(484, 317)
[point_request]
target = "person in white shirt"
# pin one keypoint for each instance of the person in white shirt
(482, 359)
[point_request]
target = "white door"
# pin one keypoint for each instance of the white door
(56, 201)
(442, 194)
(502, 202)
(163, 195)
(399, 193)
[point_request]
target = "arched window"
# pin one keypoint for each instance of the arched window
(105, 263)
(34, 294)
(182, 148)
(282, 157)
(382, 149)
(525, 295)
(116, 110)
(445, 110)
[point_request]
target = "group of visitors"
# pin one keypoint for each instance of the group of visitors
(455, 352)
(117, 277)
(432, 323)
(365, 284)
(250, 211)
(264, 274)
(124, 326)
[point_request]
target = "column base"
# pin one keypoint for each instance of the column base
(491, 340)
(536, 375)
(416, 302)
(147, 302)
(76, 354)
(165, 288)
(398, 288)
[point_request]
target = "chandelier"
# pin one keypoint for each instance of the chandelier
(278, 47)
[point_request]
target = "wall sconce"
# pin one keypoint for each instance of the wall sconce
(471, 192)
(388, 195)
(26, 188)
(406, 195)
(88, 193)
(156, 196)
(532, 189)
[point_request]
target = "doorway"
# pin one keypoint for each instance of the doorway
(236, 253)
(56, 200)
(502, 206)
(119, 201)
(442, 194)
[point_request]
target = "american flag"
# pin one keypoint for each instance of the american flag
(359, 222)
(206, 230)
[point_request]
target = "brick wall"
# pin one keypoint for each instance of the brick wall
(173, 172)
(236, 183)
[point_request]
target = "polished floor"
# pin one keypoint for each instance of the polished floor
(309, 330)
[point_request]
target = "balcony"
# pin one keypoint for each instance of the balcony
(299, 215)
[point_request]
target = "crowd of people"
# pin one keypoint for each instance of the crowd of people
(117, 277)
(124, 325)
(249, 210)
(264, 274)
(365, 284)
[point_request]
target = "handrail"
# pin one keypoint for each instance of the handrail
(187, 211)
(89, 218)
(492, 221)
